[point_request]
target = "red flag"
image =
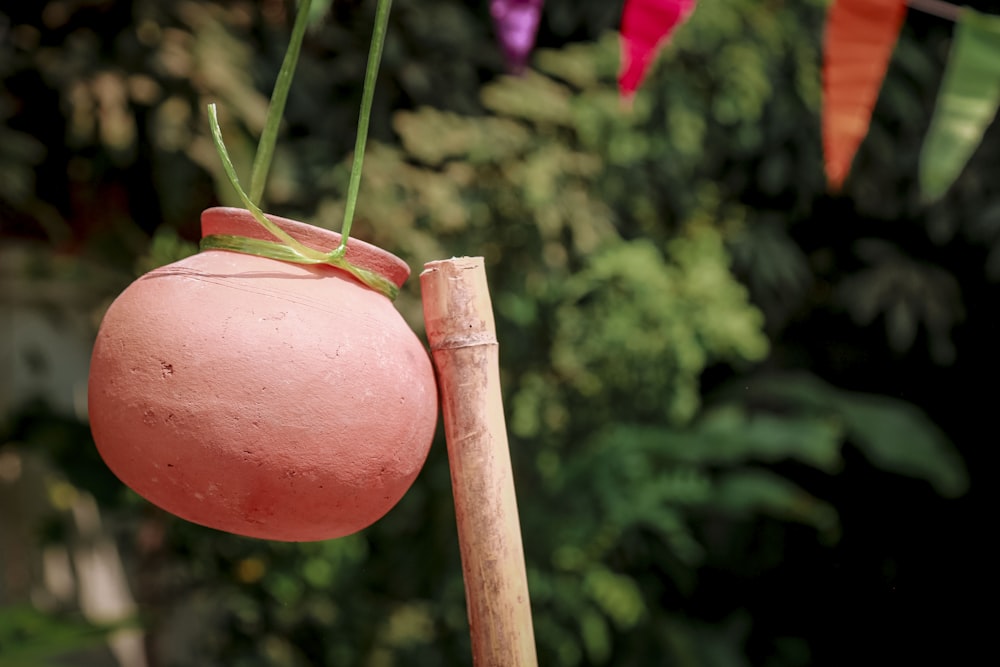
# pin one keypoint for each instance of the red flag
(860, 38)
(516, 24)
(646, 25)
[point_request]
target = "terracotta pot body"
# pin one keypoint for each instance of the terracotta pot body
(260, 397)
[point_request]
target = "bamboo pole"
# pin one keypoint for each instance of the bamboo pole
(462, 335)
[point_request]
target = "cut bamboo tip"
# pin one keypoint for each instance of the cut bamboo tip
(457, 307)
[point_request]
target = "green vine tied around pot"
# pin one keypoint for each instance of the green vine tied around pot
(286, 248)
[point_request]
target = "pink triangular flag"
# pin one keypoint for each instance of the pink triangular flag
(646, 26)
(516, 24)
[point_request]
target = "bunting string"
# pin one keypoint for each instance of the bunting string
(859, 41)
(939, 8)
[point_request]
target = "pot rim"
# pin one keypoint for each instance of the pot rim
(228, 220)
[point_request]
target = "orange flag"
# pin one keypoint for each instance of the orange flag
(860, 38)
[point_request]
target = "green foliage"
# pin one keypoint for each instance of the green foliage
(540, 187)
(164, 248)
(614, 294)
(893, 434)
(31, 638)
(908, 294)
(629, 319)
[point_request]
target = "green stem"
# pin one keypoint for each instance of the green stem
(367, 94)
(289, 250)
(227, 165)
(268, 138)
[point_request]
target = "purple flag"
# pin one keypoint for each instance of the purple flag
(516, 23)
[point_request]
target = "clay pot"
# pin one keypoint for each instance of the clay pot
(260, 397)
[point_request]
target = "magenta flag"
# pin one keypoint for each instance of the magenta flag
(646, 26)
(516, 24)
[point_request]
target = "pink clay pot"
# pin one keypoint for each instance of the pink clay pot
(260, 397)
